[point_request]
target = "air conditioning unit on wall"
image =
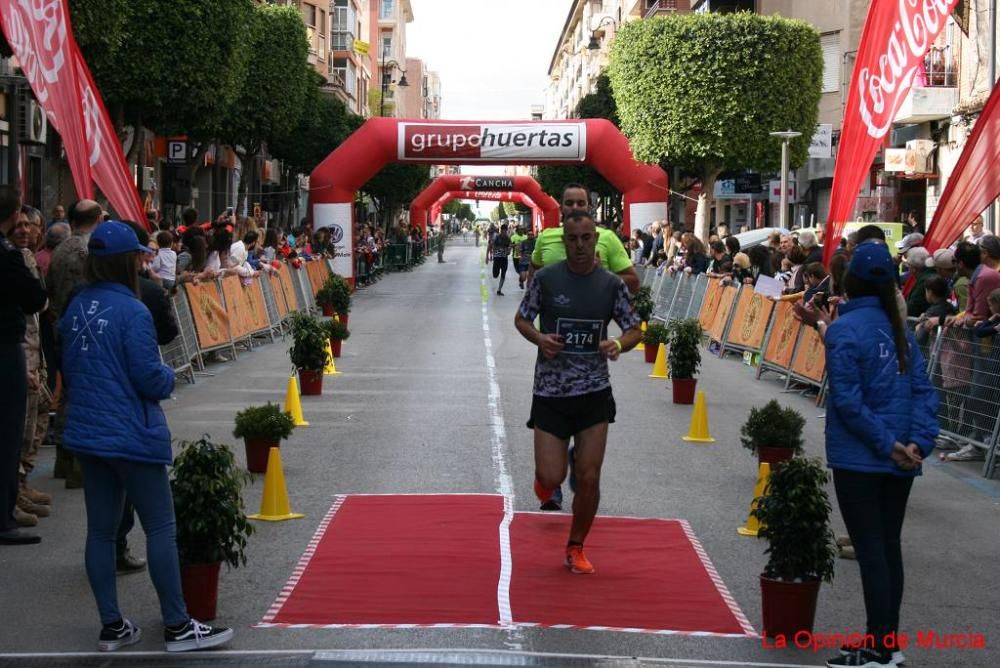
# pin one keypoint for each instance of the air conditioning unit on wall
(33, 125)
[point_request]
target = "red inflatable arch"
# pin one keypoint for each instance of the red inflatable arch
(493, 196)
(381, 141)
(460, 182)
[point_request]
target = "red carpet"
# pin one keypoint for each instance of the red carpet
(648, 577)
(436, 560)
(401, 560)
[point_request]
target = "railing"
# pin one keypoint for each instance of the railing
(660, 6)
(939, 69)
(342, 41)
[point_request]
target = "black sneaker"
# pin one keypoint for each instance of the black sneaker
(194, 635)
(863, 658)
(116, 636)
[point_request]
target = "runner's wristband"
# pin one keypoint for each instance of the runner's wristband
(618, 343)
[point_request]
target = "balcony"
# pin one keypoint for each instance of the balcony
(656, 7)
(342, 41)
(935, 89)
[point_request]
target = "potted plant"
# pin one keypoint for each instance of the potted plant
(262, 428)
(684, 358)
(338, 332)
(774, 432)
(340, 294)
(326, 296)
(794, 516)
(654, 335)
(308, 352)
(212, 528)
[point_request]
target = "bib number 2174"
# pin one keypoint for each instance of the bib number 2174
(580, 337)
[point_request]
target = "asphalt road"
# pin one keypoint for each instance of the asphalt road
(415, 412)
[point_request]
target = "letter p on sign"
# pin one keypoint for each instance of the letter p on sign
(177, 150)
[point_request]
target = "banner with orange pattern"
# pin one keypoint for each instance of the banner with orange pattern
(253, 302)
(210, 319)
(278, 291)
(726, 298)
(810, 356)
(239, 319)
(710, 303)
(784, 331)
(753, 311)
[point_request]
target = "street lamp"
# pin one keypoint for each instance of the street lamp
(402, 83)
(785, 136)
(594, 45)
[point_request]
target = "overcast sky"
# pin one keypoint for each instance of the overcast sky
(493, 55)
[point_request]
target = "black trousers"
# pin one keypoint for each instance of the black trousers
(13, 402)
(873, 506)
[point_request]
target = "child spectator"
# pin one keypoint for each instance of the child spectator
(164, 264)
(936, 292)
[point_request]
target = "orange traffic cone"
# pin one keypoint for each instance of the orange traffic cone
(292, 403)
(752, 527)
(660, 367)
(274, 504)
(698, 431)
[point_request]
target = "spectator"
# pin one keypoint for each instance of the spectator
(270, 244)
(655, 255)
(741, 269)
(989, 251)
(760, 263)
(817, 283)
(635, 245)
(722, 230)
(905, 244)
(809, 244)
(982, 281)
(936, 291)
(55, 235)
(975, 233)
(721, 264)
(189, 217)
(732, 245)
(838, 269)
(918, 265)
(58, 215)
(121, 435)
(695, 259)
(164, 265)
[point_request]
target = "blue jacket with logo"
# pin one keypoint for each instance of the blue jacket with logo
(872, 405)
(112, 371)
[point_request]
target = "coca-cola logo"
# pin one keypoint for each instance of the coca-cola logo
(93, 124)
(37, 34)
(882, 87)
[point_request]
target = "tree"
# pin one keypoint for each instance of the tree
(702, 91)
(552, 178)
(323, 125)
(99, 29)
(396, 185)
(278, 69)
(509, 209)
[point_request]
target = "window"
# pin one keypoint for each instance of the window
(830, 45)
(310, 15)
(387, 9)
(386, 45)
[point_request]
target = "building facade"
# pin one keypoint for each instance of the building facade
(389, 58)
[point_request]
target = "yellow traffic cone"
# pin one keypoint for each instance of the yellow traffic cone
(641, 347)
(292, 403)
(331, 368)
(274, 504)
(698, 432)
(752, 527)
(660, 367)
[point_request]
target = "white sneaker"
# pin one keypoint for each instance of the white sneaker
(968, 453)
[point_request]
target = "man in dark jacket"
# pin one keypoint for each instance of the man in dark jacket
(22, 293)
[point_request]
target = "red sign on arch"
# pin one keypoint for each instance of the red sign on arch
(493, 141)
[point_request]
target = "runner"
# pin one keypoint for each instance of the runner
(576, 300)
(501, 247)
(515, 241)
(527, 248)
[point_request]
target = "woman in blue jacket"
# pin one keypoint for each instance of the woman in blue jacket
(112, 371)
(881, 422)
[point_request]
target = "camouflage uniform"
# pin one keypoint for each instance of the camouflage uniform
(37, 416)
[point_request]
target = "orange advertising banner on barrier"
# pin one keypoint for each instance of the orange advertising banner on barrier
(810, 357)
(710, 303)
(784, 331)
(753, 311)
(727, 296)
(253, 301)
(210, 319)
(279, 295)
(316, 275)
(288, 288)
(239, 318)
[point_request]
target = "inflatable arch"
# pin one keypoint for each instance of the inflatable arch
(461, 182)
(381, 141)
(493, 196)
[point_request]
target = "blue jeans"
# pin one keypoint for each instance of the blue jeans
(105, 483)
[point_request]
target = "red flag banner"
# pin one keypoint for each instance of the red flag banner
(896, 36)
(40, 35)
(107, 162)
(974, 183)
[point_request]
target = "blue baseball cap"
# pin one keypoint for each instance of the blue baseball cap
(114, 238)
(871, 262)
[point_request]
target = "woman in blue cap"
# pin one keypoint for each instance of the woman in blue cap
(112, 371)
(880, 424)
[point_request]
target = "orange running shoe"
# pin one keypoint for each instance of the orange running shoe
(548, 497)
(577, 562)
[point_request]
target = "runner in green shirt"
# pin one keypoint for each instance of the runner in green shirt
(516, 240)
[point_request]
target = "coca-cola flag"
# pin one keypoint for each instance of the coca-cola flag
(107, 162)
(896, 36)
(39, 34)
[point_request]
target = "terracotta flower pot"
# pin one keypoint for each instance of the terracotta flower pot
(311, 382)
(788, 607)
(257, 452)
(684, 389)
(773, 455)
(327, 309)
(335, 346)
(200, 584)
(342, 317)
(650, 352)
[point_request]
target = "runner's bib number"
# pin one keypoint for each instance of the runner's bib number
(580, 337)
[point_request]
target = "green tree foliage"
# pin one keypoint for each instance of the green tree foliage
(270, 100)
(465, 212)
(552, 178)
(99, 28)
(702, 91)
(509, 209)
(395, 186)
(323, 125)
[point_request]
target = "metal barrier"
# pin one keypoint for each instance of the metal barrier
(965, 370)
(273, 318)
(176, 353)
(397, 256)
(185, 323)
(296, 275)
(700, 288)
(664, 296)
